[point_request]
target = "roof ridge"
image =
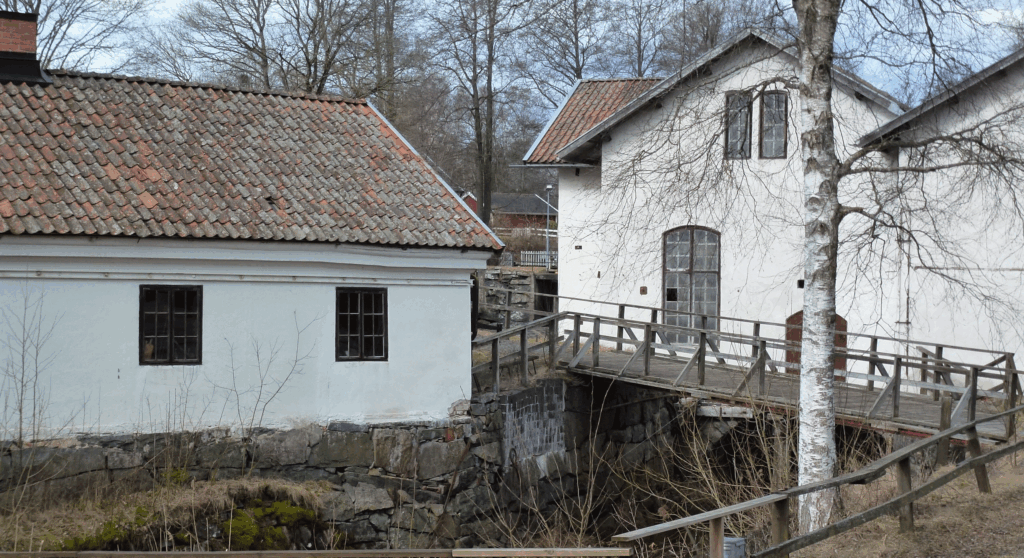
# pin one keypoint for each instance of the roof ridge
(207, 85)
(603, 80)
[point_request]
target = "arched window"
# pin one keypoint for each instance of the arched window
(691, 277)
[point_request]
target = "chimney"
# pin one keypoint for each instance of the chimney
(18, 49)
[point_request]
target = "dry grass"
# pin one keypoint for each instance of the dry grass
(43, 528)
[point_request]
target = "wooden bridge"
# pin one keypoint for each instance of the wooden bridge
(938, 392)
(887, 384)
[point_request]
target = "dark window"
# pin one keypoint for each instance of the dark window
(692, 269)
(362, 325)
(773, 125)
(170, 324)
(737, 126)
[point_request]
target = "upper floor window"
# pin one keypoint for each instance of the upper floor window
(362, 324)
(737, 126)
(773, 124)
(170, 324)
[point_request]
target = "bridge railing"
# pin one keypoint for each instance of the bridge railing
(514, 348)
(782, 544)
(758, 354)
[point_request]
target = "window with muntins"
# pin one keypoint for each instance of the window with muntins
(737, 126)
(691, 277)
(170, 324)
(773, 125)
(362, 324)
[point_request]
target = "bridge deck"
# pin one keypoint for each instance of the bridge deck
(918, 414)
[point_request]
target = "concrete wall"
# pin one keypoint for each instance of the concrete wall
(268, 333)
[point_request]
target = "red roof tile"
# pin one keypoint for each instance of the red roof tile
(107, 155)
(591, 102)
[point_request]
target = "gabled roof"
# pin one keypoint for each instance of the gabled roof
(521, 204)
(952, 94)
(590, 102)
(107, 155)
(652, 94)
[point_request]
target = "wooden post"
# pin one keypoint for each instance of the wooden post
(654, 315)
(980, 471)
(780, 522)
(903, 484)
(945, 421)
(972, 403)
(524, 360)
(552, 341)
(701, 349)
(595, 349)
(896, 387)
(576, 325)
(757, 334)
(647, 349)
(762, 358)
(1012, 384)
(871, 362)
(936, 375)
(620, 331)
(495, 365)
(717, 542)
(508, 311)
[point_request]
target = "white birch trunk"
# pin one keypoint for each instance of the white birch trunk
(817, 448)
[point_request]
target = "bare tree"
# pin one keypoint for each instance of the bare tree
(315, 35)
(698, 26)
(473, 38)
(75, 34)
(638, 31)
(564, 46)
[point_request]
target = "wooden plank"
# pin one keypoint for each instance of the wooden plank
(618, 331)
(538, 552)
(579, 355)
(686, 369)
(881, 397)
(410, 553)
(670, 526)
(780, 522)
(945, 422)
(980, 471)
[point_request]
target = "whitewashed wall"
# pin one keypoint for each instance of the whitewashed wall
(255, 298)
(617, 214)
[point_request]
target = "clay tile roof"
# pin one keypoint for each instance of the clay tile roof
(114, 156)
(590, 102)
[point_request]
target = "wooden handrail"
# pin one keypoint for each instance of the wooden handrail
(752, 322)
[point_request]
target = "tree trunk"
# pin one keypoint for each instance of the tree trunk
(817, 449)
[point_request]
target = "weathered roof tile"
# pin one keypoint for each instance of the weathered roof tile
(94, 154)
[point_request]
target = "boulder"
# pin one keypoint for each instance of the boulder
(282, 448)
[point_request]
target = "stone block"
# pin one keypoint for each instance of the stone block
(290, 447)
(576, 429)
(366, 497)
(357, 532)
(336, 506)
(342, 426)
(414, 518)
(343, 449)
(402, 538)
(440, 458)
(394, 451)
(479, 500)
(120, 459)
(490, 453)
(229, 454)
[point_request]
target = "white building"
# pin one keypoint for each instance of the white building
(687, 193)
(195, 255)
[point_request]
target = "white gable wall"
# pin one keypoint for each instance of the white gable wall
(979, 301)
(663, 168)
(255, 295)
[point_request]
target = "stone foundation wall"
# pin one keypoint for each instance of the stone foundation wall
(520, 280)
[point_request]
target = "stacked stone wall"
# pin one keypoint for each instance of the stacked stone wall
(397, 485)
